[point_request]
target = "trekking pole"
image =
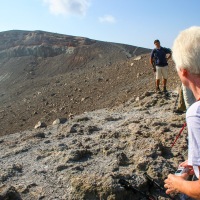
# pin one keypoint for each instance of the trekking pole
(153, 182)
(184, 125)
(128, 186)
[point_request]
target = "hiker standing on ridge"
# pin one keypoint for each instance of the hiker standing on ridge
(159, 60)
(186, 55)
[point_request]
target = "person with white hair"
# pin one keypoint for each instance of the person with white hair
(186, 55)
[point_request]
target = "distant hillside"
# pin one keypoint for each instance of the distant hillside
(44, 44)
(47, 75)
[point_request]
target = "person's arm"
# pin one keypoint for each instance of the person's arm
(179, 184)
(169, 56)
(152, 61)
(152, 58)
(169, 53)
(153, 64)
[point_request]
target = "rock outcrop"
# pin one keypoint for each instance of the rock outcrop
(38, 43)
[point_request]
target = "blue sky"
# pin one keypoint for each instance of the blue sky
(134, 22)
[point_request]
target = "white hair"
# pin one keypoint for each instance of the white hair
(186, 50)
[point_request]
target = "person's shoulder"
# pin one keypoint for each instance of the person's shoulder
(194, 109)
(166, 49)
(153, 51)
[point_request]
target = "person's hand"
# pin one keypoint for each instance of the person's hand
(154, 69)
(172, 181)
(185, 164)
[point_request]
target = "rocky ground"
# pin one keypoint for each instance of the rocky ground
(84, 157)
(44, 76)
(77, 115)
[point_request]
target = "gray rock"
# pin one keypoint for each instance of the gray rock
(59, 121)
(10, 193)
(40, 125)
(39, 135)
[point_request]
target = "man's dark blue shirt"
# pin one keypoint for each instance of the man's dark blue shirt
(159, 55)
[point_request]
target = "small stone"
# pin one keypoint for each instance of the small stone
(137, 99)
(61, 167)
(39, 135)
(59, 121)
(40, 125)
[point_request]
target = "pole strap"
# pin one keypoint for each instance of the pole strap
(184, 125)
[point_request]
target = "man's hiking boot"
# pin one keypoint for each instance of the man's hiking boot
(178, 111)
(164, 89)
(158, 90)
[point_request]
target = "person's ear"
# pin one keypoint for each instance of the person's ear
(184, 72)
